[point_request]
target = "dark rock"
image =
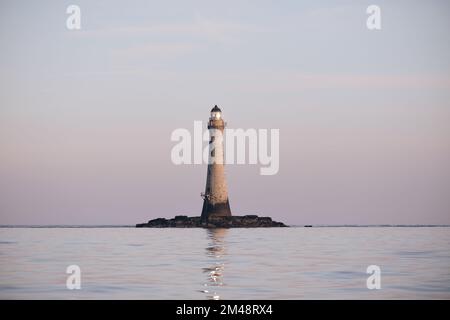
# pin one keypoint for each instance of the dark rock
(247, 221)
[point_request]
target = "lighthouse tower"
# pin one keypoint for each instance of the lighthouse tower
(215, 198)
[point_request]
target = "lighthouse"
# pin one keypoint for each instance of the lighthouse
(215, 197)
(216, 211)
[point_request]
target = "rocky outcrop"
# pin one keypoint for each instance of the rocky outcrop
(248, 221)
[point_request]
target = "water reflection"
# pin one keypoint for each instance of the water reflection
(216, 253)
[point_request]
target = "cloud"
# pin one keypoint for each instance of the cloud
(170, 39)
(199, 28)
(293, 81)
(156, 50)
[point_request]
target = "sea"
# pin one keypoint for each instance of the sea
(318, 262)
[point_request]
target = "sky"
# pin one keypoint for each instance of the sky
(86, 115)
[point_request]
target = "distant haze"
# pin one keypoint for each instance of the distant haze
(86, 116)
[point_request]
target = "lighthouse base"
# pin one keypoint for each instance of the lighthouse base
(210, 210)
(248, 221)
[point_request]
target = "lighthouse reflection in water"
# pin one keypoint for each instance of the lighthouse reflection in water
(216, 252)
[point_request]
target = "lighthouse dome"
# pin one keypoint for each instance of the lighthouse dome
(216, 113)
(216, 109)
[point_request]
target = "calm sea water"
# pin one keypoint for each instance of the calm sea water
(277, 263)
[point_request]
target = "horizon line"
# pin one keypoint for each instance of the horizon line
(294, 225)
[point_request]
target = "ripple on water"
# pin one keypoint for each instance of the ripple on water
(293, 263)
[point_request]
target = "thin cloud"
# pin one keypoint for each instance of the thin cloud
(199, 28)
(156, 50)
(179, 38)
(290, 82)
